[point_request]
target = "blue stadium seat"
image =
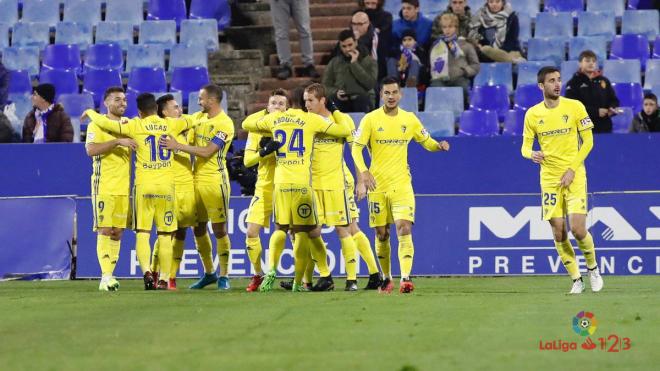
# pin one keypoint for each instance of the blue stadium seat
(130, 11)
(641, 22)
(23, 103)
(200, 31)
(4, 35)
(554, 6)
(214, 9)
(74, 33)
(164, 10)
(149, 55)
(527, 96)
(158, 32)
(616, 6)
(640, 4)
(514, 123)
(596, 24)
(528, 7)
(553, 25)
(625, 70)
(656, 47)
(622, 122)
(144, 80)
(479, 123)
(494, 98)
(630, 95)
(444, 99)
(176, 94)
(131, 106)
(655, 89)
(43, 11)
(568, 69)
(62, 57)
(547, 49)
(104, 57)
(439, 124)
(115, 32)
(96, 81)
(525, 28)
(652, 75)
(597, 44)
(83, 11)
(188, 56)
(495, 74)
(527, 71)
(75, 104)
(65, 81)
(394, 7)
(193, 98)
(19, 82)
(31, 34)
(9, 11)
(630, 46)
(187, 79)
(17, 58)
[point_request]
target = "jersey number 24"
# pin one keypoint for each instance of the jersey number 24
(295, 143)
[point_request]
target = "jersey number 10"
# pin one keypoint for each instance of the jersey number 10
(157, 152)
(296, 142)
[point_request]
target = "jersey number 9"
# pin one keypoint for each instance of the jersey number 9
(296, 142)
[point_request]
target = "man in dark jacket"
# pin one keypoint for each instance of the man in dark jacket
(648, 120)
(462, 11)
(351, 76)
(595, 91)
(47, 122)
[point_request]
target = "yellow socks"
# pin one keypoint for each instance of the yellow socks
(301, 255)
(383, 251)
(349, 252)
(253, 246)
(224, 246)
(364, 248)
(104, 255)
(165, 256)
(319, 255)
(113, 249)
(275, 248)
(567, 255)
(154, 257)
(309, 270)
(205, 250)
(143, 250)
(406, 254)
(587, 247)
(177, 255)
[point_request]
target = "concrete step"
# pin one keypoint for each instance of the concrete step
(332, 9)
(296, 70)
(322, 46)
(331, 22)
(334, 1)
(269, 84)
(320, 34)
(319, 59)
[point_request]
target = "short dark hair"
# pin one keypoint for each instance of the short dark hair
(112, 89)
(389, 80)
(652, 97)
(540, 76)
(345, 34)
(213, 91)
(414, 3)
(161, 102)
(282, 93)
(297, 95)
(587, 54)
(146, 103)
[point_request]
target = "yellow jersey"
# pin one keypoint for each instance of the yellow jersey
(557, 131)
(328, 159)
(111, 174)
(388, 137)
(153, 164)
(295, 129)
(266, 169)
(220, 131)
(183, 173)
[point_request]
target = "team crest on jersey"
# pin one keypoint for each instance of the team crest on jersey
(564, 118)
(381, 129)
(304, 211)
(404, 128)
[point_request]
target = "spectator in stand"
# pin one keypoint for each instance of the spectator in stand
(6, 131)
(369, 38)
(648, 120)
(47, 122)
(412, 18)
(4, 86)
(453, 60)
(351, 76)
(381, 20)
(594, 90)
(280, 11)
(494, 31)
(406, 64)
(462, 11)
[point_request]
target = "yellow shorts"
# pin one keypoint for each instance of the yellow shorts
(186, 210)
(111, 211)
(154, 203)
(332, 207)
(352, 205)
(557, 202)
(212, 203)
(294, 205)
(395, 204)
(261, 209)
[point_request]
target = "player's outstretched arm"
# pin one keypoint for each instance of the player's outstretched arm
(107, 124)
(96, 149)
(169, 142)
(583, 152)
(258, 126)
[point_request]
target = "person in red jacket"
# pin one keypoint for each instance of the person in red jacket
(47, 121)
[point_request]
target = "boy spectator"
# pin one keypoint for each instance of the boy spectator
(648, 120)
(406, 63)
(47, 122)
(412, 18)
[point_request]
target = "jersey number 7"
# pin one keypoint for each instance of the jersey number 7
(296, 142)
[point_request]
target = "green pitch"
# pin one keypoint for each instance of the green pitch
(448, 323)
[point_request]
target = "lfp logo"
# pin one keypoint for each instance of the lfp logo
(585, 324)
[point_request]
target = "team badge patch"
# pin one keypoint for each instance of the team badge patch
(169, 217)
(404, 128)
(564, 118)
(304, 211)
(220, 135)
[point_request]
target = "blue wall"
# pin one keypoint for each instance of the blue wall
(474, 165)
